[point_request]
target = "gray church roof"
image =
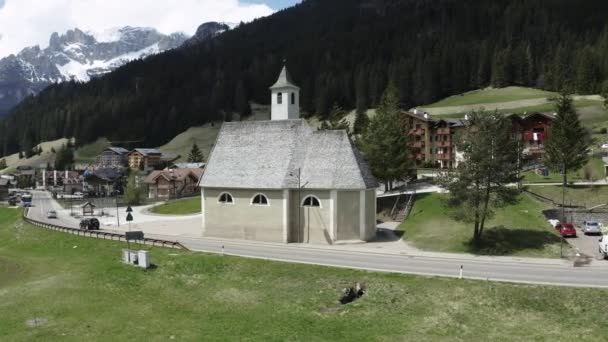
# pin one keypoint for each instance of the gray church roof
(284, 80)
(268, 154)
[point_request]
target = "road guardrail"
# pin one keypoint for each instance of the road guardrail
(104, 235)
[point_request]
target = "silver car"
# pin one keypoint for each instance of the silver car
(591, 227)
(51, 214)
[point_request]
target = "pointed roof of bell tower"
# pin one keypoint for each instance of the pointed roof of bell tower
(284, 80)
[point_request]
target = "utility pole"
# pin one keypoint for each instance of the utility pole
(299, 203)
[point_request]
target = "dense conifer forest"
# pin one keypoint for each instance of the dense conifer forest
(342, 52)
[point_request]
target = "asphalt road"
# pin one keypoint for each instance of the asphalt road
(536, 271)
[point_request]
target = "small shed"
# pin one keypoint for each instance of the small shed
(88, 209)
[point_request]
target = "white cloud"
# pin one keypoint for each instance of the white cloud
(31, 22)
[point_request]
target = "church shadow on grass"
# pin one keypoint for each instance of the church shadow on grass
(503, 241)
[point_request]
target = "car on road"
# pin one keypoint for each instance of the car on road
(591, 227)
(566, 229)
(51, 214)
(89, 224)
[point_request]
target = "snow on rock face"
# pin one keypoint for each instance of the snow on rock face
(77, 55)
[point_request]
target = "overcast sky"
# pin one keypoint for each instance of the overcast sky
(31, 22)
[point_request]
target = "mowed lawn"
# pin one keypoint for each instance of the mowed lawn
(595, 167)
(57, 287)
(584, 196)
(492, 95)
(518, 230)
(188, 206)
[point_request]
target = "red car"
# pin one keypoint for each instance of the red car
(566, 229)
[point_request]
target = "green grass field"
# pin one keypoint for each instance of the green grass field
(492, 95)
(89, 152)
(57, 287)
(188, 206)
(518, 230)
(593, 171)
(585, 196)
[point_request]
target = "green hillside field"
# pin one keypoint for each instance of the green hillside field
(59, 287)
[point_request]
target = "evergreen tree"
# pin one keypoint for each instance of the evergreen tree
(196, 155)
(605, 94)
(64, 159)
(586, 81)
(242, 105)
(20, 155)
(3, 164)
(384, 145)
(481, 180)
(567, 148)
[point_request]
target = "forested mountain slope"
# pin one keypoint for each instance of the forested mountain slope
(339, 51)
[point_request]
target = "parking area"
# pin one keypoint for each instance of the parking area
(587, 245)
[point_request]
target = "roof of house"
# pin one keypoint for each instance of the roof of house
(118, 150)
(189, 165)
(147, 151)
(279, 154)
(177, 175)
(105, 174)
(284, 80)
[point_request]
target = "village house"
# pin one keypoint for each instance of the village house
(284, 181)
(144, 158)
(173, 183)
(112, 157)
(5, 184)
(67, 182)
(104, 182)
(25, 176)
(532, 130)
(434, 139)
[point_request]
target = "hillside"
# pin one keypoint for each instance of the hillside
(38, 161)
(342, 51)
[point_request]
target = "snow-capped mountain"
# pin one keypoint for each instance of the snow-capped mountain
(77, 55)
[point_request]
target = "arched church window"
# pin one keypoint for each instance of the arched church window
(280, 98)
(293, 98)
(226, 198)
(311, 202)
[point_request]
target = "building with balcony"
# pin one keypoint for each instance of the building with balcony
(532, 130)
(433, 139)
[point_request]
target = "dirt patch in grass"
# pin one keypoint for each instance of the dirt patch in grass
(10, 271)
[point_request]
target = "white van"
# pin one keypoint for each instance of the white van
(603, 246)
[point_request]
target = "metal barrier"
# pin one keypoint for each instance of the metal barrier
(104, 235)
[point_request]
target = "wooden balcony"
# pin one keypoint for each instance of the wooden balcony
(444, 131)
(446, 143)
(419, 131)
(444, 156)
(420, 156)
(419, 144)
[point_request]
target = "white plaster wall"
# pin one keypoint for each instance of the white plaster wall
(285, 110)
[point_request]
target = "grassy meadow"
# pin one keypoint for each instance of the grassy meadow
(56, 287)
(188, 206)
(518, 230)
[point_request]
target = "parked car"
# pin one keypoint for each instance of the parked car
(89, 224)
(51, 214)
(591, 227)
(604, 146)
(566, 229)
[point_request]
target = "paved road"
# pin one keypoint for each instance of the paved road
(538, 271)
